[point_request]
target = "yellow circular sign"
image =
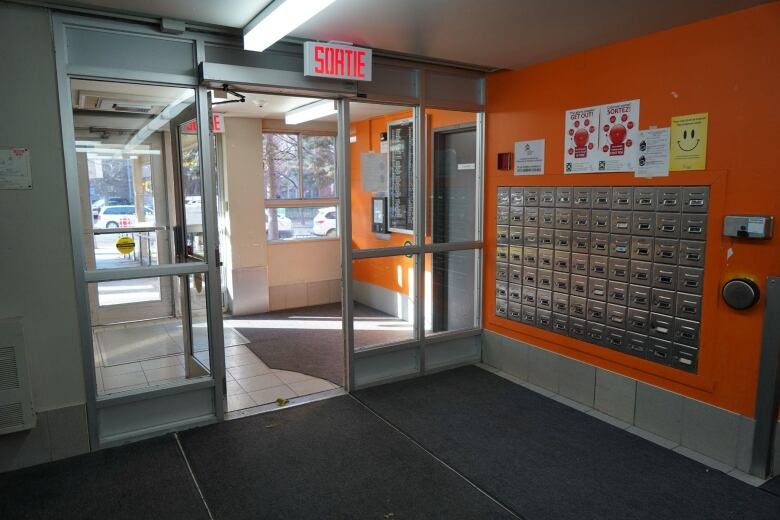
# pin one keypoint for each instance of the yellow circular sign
(125, 245)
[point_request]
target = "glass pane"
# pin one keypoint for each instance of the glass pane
(192, 190)
(135, 350)
(124, 139)
(319, 166)
(384, 300)
(450, 291)
(452, 180)
(121, 292)
(281, 166)
(382, 163)
(301, 223)
(126, 249)
(200, 324)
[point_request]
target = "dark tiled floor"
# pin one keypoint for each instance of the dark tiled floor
(460, 444)
(148, 479)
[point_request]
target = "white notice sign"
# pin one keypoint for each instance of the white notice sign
(653, 153)
(15, 169)
(373, 170)
(529, 157)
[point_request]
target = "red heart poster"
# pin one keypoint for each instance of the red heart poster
(618, 136)
(581, 140)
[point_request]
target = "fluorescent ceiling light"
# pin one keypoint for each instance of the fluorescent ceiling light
(115, 152)
(279, 19)
(175, 108)
(316, 110)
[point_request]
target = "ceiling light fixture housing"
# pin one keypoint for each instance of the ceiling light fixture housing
(279, 19)
(316, 110)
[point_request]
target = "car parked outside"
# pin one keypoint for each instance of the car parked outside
(283, 225)
(121, 217)
(325, 222)
(105, 202)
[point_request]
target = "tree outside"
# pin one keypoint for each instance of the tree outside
(297, 167)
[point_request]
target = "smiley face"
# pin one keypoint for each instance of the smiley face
(688, 144)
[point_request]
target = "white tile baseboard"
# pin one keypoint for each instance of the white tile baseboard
(669, 419)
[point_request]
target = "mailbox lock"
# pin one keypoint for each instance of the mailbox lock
(741, 293)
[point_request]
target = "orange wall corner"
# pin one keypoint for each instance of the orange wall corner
(726, 66)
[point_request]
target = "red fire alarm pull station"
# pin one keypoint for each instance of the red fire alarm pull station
(337, 61)
(505, 161)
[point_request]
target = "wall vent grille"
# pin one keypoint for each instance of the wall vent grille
(16, 407)
(9, 371)
(11, 416)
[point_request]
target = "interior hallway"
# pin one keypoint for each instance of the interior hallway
(310, 339)
(276, 355)
(146, 354)
(490, 449)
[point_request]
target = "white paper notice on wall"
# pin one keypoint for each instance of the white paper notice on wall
(529, 157)
(618, 136)
(756, 224)
(653, 153)
(15, 173)
(580, 150)
(373, 170)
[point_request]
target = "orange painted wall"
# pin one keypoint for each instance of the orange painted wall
(727, 66)
(384, 272)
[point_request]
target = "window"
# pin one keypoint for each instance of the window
(281, 166)
(300, 185)
(319, 166)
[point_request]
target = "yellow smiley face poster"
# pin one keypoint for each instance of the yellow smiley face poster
(688, 146)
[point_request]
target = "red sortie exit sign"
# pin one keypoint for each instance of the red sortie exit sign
(330, 60)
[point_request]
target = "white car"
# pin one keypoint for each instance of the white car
(325, 222)
(283, 225)
(105, 202)
(121, 217)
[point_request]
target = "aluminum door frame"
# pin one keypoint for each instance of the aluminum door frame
(467, 95)
(216, 383)
(478, 134)
(419, 248)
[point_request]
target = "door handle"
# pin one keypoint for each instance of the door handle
(178, 243)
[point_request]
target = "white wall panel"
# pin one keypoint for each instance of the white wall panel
(36, 268)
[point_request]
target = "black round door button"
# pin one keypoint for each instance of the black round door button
(740, 293)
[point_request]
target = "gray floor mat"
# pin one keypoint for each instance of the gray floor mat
(548, 461)
(329, 459)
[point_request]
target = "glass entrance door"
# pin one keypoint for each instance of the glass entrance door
(145, 193)
(190, 240)
(125, 211)
(414, 186)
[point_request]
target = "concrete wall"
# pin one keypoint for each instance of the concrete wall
(36, 266)
(263, 276)
(245, 249)
(304, 273)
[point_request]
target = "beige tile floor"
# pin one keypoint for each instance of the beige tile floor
(144, 354)
(250, 382)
